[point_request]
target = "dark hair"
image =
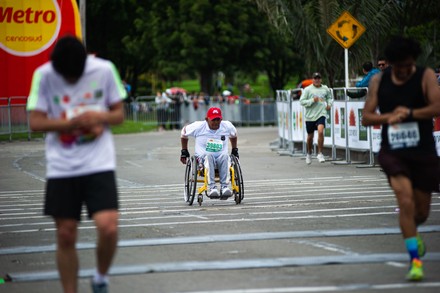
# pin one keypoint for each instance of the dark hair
(367, 66)
(69, 57)
(400, 48)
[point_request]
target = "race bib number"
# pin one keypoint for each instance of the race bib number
(214, 145)
(403, 135)
(78, 110)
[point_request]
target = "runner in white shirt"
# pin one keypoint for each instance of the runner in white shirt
(74, 98)
(212, 137)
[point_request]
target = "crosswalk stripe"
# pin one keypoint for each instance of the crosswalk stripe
(235, 264)
(226, 238)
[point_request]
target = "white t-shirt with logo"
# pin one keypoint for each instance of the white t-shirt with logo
(98, 88)
(208, 141)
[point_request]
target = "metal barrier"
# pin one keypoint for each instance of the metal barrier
(255, 113)
(259, 112)
(356, 137)
(14, 117)
(343, 130)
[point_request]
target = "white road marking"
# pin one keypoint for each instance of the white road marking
(134, 164)
(341, 288)
(234, 264)
(229, 238)
(397, 264)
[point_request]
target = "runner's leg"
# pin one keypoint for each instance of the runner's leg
(67, 258)
(106, 222)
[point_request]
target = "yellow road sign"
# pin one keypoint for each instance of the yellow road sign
(346, 30)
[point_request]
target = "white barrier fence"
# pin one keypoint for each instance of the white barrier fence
(343, 128)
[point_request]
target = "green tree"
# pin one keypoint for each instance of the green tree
(307, 21)
(108, 22)
(420, 20)
(279, 59)
(137, 47)
(165, 22)
(169, 39)
(213, 35)
(267, 51)
(106, 26)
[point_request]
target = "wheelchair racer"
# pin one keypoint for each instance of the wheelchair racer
(212, 137)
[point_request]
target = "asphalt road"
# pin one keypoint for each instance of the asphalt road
(317, 228)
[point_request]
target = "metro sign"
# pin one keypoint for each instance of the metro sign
(28, 32)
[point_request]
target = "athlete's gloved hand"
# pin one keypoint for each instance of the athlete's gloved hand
(235, 152)
(184, 154)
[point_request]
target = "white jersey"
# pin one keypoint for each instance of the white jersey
(209, 141)
(98, 88)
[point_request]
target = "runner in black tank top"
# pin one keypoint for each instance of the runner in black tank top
(409, 95)
(408, 98)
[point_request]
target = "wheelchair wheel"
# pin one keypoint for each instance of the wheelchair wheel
(190, 180)
(238, 177)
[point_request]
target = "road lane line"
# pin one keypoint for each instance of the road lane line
(227, 238)
(341, 288)
(234, 264)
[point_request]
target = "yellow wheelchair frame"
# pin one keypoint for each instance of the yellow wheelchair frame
(196, 173)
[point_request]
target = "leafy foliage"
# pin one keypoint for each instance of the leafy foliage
(307, 21)
(157, 43)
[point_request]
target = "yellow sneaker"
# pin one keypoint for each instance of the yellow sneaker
(415, 271)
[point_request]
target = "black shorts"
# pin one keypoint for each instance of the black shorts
(66, 196)
(421, 169)
(311, 126)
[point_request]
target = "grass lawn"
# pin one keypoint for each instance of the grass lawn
(260, 87)
(20, 136)
(129, 126)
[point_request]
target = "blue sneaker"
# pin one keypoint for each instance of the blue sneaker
(100, 288)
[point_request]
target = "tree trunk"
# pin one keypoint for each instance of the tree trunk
(206, 84)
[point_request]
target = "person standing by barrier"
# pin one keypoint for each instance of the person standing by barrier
(74, 98)
(176, 114)
(317, 100)
(407, 97)
(162, 107)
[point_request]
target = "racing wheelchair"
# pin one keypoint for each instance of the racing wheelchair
(196, 173)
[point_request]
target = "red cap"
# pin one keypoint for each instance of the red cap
(214, 113)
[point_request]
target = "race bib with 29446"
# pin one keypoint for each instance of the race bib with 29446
(403, 135)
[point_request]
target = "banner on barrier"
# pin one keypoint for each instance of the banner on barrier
(339, 126)
(357, 135)
(328, 135)
(283, 119)
(297, 121)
